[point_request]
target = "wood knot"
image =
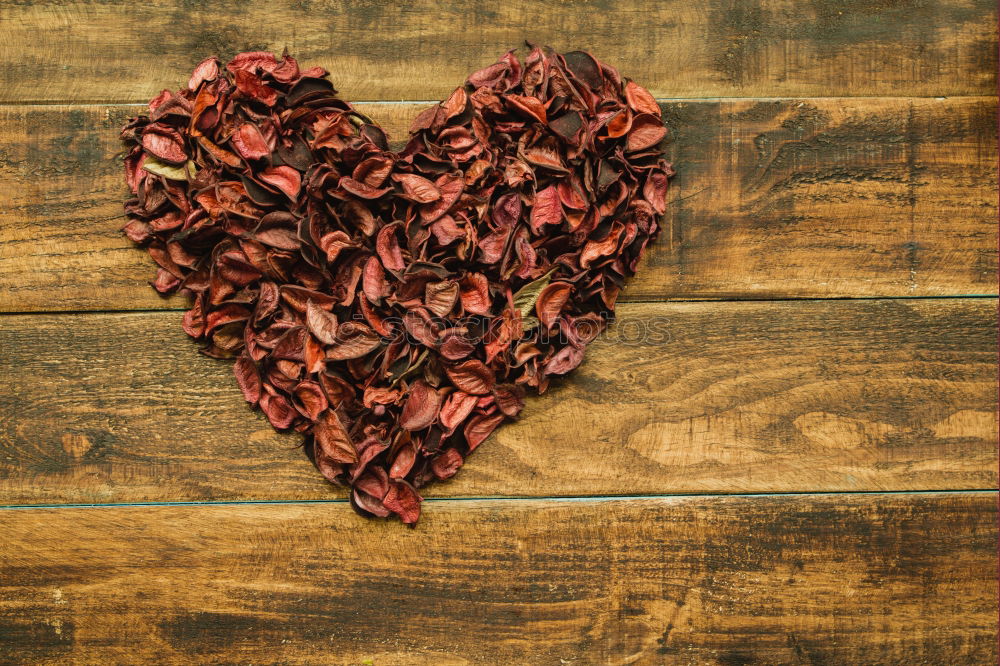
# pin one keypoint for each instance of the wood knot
(76, 445)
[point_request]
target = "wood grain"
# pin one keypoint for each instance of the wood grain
(688, 397)
(116, 51)
(774, 199)
(908, 579)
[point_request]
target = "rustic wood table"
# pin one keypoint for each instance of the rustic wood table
(799, 467)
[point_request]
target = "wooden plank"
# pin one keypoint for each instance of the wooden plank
(888, 579)
(421, 50)
(774, 199)
(690, 398)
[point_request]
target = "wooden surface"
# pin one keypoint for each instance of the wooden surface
(423, 49)
(837, 165)
(911, 184)
(688, 397)
(831, 579)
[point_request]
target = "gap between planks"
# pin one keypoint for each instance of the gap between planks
(666, 301)
(413, 102)
(525, 498)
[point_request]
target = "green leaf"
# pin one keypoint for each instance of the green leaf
(529, 323)
(524, 299)
(410, 370)
(184, 172)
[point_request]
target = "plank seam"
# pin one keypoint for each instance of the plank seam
(668, 301)
(663, 100)
(525, 498)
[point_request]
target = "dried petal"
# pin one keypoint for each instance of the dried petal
(284, 178)
(250, 143)
(446, 464)
(472, 376)
(322, 324)
(421, 408)
(247, 378)
(550, 302)
(333, 439)
(547, 209)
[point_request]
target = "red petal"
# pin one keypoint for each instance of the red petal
(647, 131)
(550, 302)
(388, 247)
(446, 464)
(640, 100)
(472, 376)
(404, 502)
(479, 428)
(547, 209)
(311, 401)
(475, 294)
(250, 143)
(247, 378)
(333, 439)
(285, 178)
(421, 408)
(532, 107)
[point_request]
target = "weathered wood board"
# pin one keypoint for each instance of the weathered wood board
(774, 199)
(687, 397)
(824, 150)
(888, 579)
(118, 51)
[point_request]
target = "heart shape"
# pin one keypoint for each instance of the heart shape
(394, 306)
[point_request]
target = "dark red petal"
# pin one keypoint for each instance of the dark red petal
(421, 408)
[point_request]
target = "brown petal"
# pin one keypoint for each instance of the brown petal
(373, 282)
(531, 107)
(440, 297)
(456, 409)
(370, 504)
(655, 189)
(278, 410)
(564, 360)
(450, 186)
(373, 171)
(417, 188)
(403, 462)
(247, 378)
(355, 340)
(551, 301)
(360, 189)
(647, 131)
(507, 210)
(455, 347)
(311, 401)
(421, 408)
(640, 100)
(446, 464)
(206, 70)
(475, 294)
(165, 143)
(509, 398)
(321, 323)
(387, 247)
(333, 439)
